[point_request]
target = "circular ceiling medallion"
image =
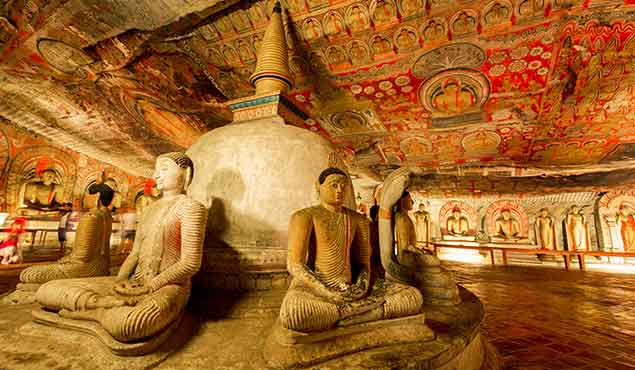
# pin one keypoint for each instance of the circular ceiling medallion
(459, 55)
(454, 92)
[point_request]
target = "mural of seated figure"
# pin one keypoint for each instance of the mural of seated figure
(136, 311)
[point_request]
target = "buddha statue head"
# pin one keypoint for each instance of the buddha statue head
(331, 187)
(506, 214)
(544, 212)
(422, 207)
(173, 173)
(48, 177)
(575, 210)
(456, 213)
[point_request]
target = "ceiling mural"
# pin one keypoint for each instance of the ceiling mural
(544, 85)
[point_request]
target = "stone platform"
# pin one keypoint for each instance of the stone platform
(230, 332)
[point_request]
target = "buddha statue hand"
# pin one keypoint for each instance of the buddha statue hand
(128, 288)
(359, 289)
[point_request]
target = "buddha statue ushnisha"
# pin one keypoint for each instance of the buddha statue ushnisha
(153, 285)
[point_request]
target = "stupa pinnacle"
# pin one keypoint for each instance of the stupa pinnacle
(272, 66)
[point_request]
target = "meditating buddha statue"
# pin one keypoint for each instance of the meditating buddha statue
(457, 224)
(43, 195)
(507, 227)
(90, 255)
(329, 260)
(415, 266)
(153, 285)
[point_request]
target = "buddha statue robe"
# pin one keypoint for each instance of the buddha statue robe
(90, 255)
(166, 254)
(328, 251)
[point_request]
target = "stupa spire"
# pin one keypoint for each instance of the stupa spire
(272, 66)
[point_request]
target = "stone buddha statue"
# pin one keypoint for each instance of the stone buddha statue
(422, 225)
(545, 230)
(457, 224)
(43, 195)
(150, 292)
(90, 255)
(507, 227)
(418, 267)
(329, 260)
(626, 222)
(577, 233)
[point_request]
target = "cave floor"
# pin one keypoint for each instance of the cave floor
(550, 319)
(537, 318)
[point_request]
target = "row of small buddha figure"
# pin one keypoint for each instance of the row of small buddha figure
(329, 258)
(508, 227)
(44, 194)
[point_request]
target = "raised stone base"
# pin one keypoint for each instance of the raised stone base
(290, 349)
(96, 331)
(233, 336)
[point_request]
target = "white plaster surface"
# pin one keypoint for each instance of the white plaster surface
(253, 176)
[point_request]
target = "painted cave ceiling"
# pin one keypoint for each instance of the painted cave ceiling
(515, 88)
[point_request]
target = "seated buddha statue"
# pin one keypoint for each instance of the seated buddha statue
(416, 266)
(43, 195)
(507, 227)
(150, 292)
(329, 260)
(457, 224)
(90, 255)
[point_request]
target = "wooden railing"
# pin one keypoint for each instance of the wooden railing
(566, 255)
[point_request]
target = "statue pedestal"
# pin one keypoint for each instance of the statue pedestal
(94, 329)
(231, 331)
(511, 243)
(289, 349)
(463, 238)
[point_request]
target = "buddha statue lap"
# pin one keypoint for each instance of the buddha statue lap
(329, 260)
(149, 294)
